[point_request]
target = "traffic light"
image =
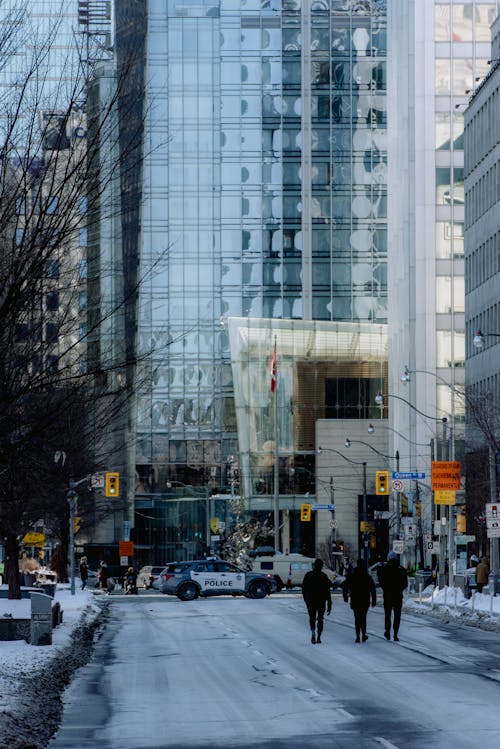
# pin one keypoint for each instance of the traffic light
(382, 482)
(76, 524)
(112, 484)
(305, 512)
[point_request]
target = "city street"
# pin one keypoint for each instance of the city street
(232, 672)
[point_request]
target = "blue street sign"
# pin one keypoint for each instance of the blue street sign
(408, 475)
(322, 507)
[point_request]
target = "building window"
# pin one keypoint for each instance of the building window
(52, 301)
(52, 205)
(349, 397)
(52, 268)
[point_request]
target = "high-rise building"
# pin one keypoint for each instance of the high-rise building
(439, 51)
(303, 162)
(262, 197)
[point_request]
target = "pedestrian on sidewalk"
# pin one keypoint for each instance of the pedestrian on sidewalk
(482, 573)
(84, 572)
(393, 581)
(317, 597)
(360, 588)
(103, 576)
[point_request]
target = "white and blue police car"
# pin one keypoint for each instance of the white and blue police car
(210, 577)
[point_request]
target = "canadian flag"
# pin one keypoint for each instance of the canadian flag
(274, 371)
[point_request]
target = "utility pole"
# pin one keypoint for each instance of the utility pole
(72, 498)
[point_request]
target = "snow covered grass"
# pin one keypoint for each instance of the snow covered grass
(481, 610)
(49, 667)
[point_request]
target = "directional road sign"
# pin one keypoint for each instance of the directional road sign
(408, 475)
(322, 507)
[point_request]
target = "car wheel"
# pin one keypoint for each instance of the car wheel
(258, 589)
(188, 592)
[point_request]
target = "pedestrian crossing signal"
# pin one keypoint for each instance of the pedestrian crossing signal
(382, 482)
(112, 487)
(305, 512)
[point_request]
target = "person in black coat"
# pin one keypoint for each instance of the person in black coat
(360, 588)
(317, 597)
(393, 580)
(84, 572)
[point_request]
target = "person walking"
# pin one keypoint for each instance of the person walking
(317, 597)
(360, 588)
(103, 576)
(84, 572)
(393, 581)
(482, 572)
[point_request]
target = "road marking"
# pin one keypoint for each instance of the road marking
(384, 742)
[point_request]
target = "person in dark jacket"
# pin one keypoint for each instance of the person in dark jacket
(84, 572)
(360, 588)
(393, 581)
(317, 596)
(103, 576)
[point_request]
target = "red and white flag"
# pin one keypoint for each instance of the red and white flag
(274, 371)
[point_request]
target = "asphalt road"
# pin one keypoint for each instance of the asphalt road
(231, 672)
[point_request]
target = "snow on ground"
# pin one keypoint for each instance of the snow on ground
(33, 677)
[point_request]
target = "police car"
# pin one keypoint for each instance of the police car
(207, 577)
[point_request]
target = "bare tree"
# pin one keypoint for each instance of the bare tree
(63, 386)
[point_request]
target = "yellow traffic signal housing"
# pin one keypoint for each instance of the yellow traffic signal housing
(112, 488)
(76, 523)
(305, 512)
(382, 482)
(461, 523)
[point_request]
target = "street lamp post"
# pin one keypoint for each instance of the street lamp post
(379, 399)
(395, 457)
(357, 463)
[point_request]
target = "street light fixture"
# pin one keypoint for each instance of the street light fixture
(371, 429)
(478, 340)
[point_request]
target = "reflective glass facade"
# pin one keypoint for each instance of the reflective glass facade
(263, 195)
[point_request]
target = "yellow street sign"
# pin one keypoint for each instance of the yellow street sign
(34, 539)
(444, 497)
(367, 526)
(214, 525)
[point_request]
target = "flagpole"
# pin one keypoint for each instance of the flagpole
(276, 458)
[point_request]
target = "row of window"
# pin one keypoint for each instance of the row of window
(488, 322)
(481, 132)
(482, 263)
(482, 195)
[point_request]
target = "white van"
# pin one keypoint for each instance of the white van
(289, 569)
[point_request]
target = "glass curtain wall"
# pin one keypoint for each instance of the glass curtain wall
(264, 195)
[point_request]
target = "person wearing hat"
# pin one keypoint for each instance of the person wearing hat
(393, 580)
(317, 596)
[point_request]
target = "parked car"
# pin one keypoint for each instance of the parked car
(148, 575)
(206, 577)
(289, 569)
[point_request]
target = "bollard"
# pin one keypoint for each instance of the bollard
(445, 594)
(420, 592)
(492, 593)
(473, 599)
(455, 601)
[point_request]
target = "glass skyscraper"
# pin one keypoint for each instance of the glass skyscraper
(262, 195)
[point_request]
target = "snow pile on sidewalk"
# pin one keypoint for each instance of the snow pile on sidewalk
(33, 677)
(482, 610)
